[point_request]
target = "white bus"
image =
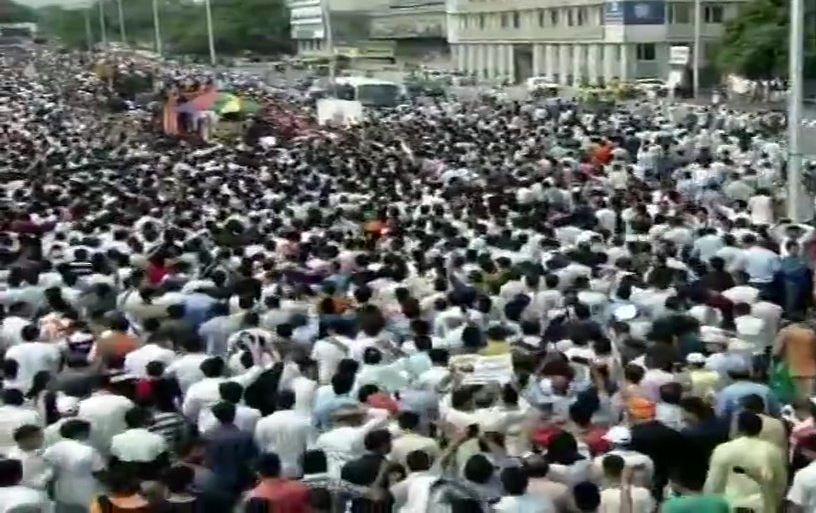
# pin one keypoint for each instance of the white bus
(369, 91)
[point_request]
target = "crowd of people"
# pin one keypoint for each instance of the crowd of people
(326, 324)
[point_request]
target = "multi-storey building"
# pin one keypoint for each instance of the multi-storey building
(349, 22)
(578, 41)
(417, 28)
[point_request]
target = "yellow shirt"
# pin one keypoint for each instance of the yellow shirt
(495, 348)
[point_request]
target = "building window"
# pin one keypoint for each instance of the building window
(646, 52)
(570, 17)
(541, 21)
(481, 21)
(582, 16)
(680, 13)
(554, 17)
(713, 14)
(516, 19)
(504, 20)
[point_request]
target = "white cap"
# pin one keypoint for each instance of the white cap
(619, 435)
(625, 312)
(697, 358)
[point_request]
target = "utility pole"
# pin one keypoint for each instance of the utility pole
(698, 47)
(88, 31)
(329, 37)
(210, 36)
(101, 4)
(122, 34)
(157, 27)
(800, 204)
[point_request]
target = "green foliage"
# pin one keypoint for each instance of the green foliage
(258, 26)
(12, 12)
(755, 44)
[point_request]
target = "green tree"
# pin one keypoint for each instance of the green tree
(260, 26)
(12, 12)
(755, 43)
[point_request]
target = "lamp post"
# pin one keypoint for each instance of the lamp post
(122, 34)
(697, 47)
(102, 22)
(210, 37)
(157, 27)
(800, 204)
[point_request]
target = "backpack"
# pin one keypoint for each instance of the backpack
(453, 496)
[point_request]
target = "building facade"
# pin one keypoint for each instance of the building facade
(575, 42)
(349, 22)
(418, 29)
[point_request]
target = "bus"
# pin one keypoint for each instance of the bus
(369, 91)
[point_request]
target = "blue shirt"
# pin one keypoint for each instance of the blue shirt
(729, 397)
(325, 409)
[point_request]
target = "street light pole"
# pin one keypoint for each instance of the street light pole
(800, 204)
(210, 36)
(88, 31)
(697, 47)
(122, 34)
(157, 27)
(100, 3)
(329, 37)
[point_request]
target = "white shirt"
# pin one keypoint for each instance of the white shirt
(803, 490)
(287, 433)
(14, 497)
(245, 419)
(187, 370)
(138, 445)
(742, 294)
(74, 464)
(205, 393)
(36, 472)
(345, 443)
(33, 357)
(761, 208)
(11, 330)
(328, 356)
(523, 504)
(106, 414)
(136, 361)
(760, 263)
(642, 501)
(11, 418)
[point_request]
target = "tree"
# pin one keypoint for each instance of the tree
(12, 12)
(259, 26)
(755, 43)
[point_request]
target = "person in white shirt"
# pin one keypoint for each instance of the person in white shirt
(105, 411)
(328, 353)
(516, 499)
(136, 361)
(344, 442)
(761, 207)
(245, 417)
(407, 440)
(33, 356)
(137, 444)
(614, 467)
(13, 415)
(205, 393)
(287, 432)
(76, 464)
(802, 493)
(37, 474)
(187, 367)
(15, 496)
(760, 263)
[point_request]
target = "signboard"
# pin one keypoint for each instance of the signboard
(404, 26)
(679, 55)
(479, 370)
(635, 12)
(339, 112)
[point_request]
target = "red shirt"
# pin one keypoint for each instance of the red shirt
(283, 495)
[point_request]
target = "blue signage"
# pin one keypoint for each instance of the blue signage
(635, 12)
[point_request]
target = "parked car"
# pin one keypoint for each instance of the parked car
(652, 87)
(542, 87)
